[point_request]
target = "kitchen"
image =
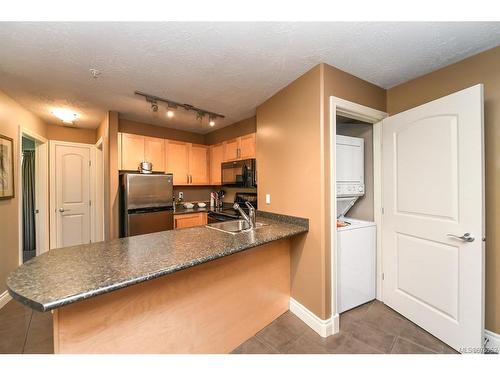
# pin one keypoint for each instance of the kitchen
(184, 222)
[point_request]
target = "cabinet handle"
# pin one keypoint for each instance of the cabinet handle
(187, 178)
(190, 179)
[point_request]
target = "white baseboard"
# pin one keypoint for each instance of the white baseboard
(492, 341)
(4, 299)
(323, 327)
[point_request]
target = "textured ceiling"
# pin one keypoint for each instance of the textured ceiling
(228, 68)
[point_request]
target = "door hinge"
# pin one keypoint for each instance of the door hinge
(383, 276)
(90, 203)
(90, 163)
(382, 210)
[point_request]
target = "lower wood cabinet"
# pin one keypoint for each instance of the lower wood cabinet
(190, 220)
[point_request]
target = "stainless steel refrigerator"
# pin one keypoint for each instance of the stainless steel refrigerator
(146, 204)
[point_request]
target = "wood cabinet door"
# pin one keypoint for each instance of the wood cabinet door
(154, 152)
(190, 220)
(231, 149)
(198, 165)
(132, 151)
(177, 161)
(247, 146)
(216, 158)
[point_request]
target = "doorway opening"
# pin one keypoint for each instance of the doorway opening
(355, 204)
(33, 195)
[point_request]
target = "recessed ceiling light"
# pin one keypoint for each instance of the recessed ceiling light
(170, 113)
(65, 115)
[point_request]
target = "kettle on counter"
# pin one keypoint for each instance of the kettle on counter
(145, 167)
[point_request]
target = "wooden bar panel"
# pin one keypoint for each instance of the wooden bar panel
(210, 308)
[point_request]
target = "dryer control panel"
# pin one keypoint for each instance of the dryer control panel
(350, 189)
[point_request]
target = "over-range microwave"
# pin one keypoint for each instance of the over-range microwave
(241, 173)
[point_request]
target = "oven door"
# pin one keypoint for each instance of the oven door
(241, 173)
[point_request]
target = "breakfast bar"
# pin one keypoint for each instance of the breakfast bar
(193, 290)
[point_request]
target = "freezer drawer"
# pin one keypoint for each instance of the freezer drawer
(149, 222)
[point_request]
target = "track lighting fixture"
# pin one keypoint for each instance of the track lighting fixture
(200, 113)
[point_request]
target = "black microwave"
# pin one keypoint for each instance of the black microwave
(240, 173)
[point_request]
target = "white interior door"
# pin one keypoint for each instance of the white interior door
(432, 188)
(70, 198)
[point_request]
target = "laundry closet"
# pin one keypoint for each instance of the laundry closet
(356, 229)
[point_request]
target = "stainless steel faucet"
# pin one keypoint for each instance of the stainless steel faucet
(250, 218)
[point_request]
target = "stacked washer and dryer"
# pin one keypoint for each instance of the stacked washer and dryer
(356, 239)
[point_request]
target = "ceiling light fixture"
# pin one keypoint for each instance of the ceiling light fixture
(65, 115)
(200, 113)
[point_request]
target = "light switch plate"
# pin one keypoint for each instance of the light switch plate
(181, 195)
(268, 198)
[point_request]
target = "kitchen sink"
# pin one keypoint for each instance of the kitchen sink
(234, 226)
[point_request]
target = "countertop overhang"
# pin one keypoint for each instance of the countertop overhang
(63, 276)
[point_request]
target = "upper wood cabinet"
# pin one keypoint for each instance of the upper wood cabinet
(247, 146)
(154, 152)
(199, 173)
(231, 149)
(216, 158)
(240, 148)
(135, 148)
(177, 161)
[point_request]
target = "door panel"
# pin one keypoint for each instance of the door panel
(72, 195)
(154, 152)
(247, 146)
(216, 156)
(132, 151)
(231, 148)
(198, 164)
(432, 185)
(177, 161)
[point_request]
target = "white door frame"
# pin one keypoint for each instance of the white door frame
(360, 112)
(42, 180)
(97, 179)
(53, 208)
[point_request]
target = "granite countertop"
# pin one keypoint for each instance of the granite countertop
(71, 274)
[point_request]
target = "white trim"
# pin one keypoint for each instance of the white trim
(4, 299)
(366, 114)
(323, 327)
(42, 190)
(377, 202)
(492, 341)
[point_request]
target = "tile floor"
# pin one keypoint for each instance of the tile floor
(23, 330)
(371, 328)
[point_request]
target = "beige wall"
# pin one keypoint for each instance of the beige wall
(295, 121)
(237, 129)
(133, 127)
(289, 139)
(12, 115)
(483, 68)
(69, 134)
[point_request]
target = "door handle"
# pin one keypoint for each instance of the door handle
(63, 210)
(466, 237)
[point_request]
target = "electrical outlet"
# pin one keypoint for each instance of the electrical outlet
(181, 195)
(268, 198)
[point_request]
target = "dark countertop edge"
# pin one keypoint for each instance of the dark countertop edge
(106, 289)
